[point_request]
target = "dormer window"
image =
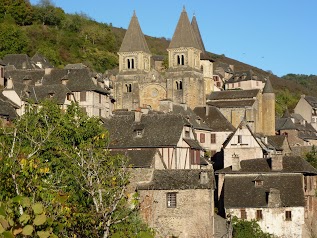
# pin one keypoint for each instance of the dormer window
(187, 134)
(50, 95)
(258, 183)
(138, 133)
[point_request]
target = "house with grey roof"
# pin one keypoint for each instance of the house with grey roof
(179, 203)
(245, 80)
(19, 61)
(7, 109)
(307, 108)
(170, 134)
(277, 192)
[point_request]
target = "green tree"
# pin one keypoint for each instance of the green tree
(46, 13)
(311, 157)
(59, 159)
(20, 10)
(248, 229)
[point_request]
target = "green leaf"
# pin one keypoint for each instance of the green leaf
(43, 234)
(144, 234)
(24, 218)
(8, 234)
(28, 230)
(17, 199)
(39, 219)
(37, 208)
(2, 211)
(1, 229)
(25, 202)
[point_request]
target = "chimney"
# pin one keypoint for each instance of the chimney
(137, 115)
(47, 71)
(277, 162)
(274, 198)
(166, 106)
(203, 177)
(207, 110)
(9, 83)
(235, 162)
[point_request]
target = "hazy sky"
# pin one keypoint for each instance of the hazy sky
(276, 35)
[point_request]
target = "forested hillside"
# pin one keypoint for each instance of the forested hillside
(73, 38)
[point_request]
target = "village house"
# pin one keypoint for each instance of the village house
(307, 108)
(7, 109)
(179, 203)
(258, 107)
(2, 65)
(171, 134)
(278, 192)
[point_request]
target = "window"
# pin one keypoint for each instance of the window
(288, 215)
(258, 183)
(179, 85)
(139, 133)
(239, 139)
(171, 200)
(239, 84)
(68, 96)
(259, 215)
(128, 88)
(212, 138)
(130, 63)
(187, 134)
(180, 60)
(100, 112)
(1, 72)
(100, 97)
(243, 214)
(194, 156)
(202, 138)
(82, 96)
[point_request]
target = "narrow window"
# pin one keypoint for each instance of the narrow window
(128, 63)
(100, 97)
(288, 215)
(239, 139)
(259, 215)
(100, 112)
(202, 138)
(132, 63)
(178, 60)
(180, 85)
(183, 60)
(82, 96)
(177, 86)
(68, 96)
(1, 72)
(171, 200)
(212, 138)
(243, 214)
(128, 88)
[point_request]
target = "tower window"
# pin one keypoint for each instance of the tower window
(180, 60)
(179, 85)
(130, 63)
(128, 88)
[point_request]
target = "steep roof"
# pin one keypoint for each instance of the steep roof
(184, 35)
(7, 108)
(2, 63)
(134, 39)
(215, 120)
(159, 130)
(233, 94)
(291, 164)
(240, 191)
(20, 61)
(143, 158)
(38, 58)
(311, 100)
(268, 87)
(277, 141)
(203, 54)
(55, 92)
(180, 179)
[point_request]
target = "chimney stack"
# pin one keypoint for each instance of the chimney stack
(204, 177)
(166, 106)
(277, 162)
(235, 162)
(137, 115)
(274, 198)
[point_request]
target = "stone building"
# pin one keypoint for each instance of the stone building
(188, 78)
(179, 203)
(257, 106)
(307, 108)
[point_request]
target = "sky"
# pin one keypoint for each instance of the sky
(273, 35)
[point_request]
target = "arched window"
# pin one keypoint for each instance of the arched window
(132, 63)
(178, 60)
(180, 85)
(128, 63)
(128, 88)
(177, 85)
(183, 60)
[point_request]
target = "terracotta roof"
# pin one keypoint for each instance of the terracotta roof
(240, 191)
(291, 164)
(159, 130)
(233, 94)
(215, 119)
(184, 35)
(143, 158)
(178, 179)
(134, 39)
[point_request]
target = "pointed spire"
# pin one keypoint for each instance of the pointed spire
(134, 39)
(197, 34)
(184, 35)
(268, 87)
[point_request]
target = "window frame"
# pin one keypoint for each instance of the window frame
(243, 214)
(202, 138)
(259, 215)
(171, 199)
(288, 215)
(213, 138)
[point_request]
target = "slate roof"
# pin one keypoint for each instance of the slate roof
(232, 103)
(19, 76)
(58, 93)
(215, 120)
(134, 39)
(277, 141)
(20, 61)
(7, 108)
(2, 63)
(143, 158)
(291, 164)
(160, 130)
(268, 87)
(233, 94)
(312, 101)
(184, 35)
(178, 179)
(203, 55)
(44, 61)
(245, 76)
(75, 66)
(240, 191)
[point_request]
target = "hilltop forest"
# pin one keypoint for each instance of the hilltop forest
(72, 38)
